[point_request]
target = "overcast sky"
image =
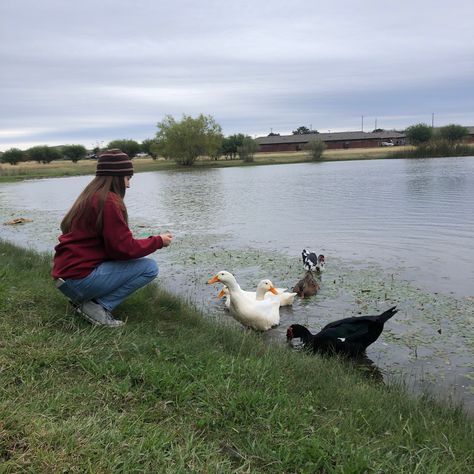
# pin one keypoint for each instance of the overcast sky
(91, 71)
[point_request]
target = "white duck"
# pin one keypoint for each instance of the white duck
(263, 291)
(257, 314)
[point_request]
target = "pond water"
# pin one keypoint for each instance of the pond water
(393, 232)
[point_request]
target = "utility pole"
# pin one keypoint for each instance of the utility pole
(375, 128)
(362, 123)
(432, 120)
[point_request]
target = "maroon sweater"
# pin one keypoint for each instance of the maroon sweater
(84, 248)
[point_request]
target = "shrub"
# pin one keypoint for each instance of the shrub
(316, 149)
(443, 147)
(130, 147)
(231, 144)
(453, 133)
(247, 149)
(43, 154)
(13, 156)
(74, 152)
(148, 147)
(419, 133)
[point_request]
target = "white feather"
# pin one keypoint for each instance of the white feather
(257, 314)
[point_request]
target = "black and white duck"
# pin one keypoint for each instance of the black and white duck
(348, 336)
(312, 261)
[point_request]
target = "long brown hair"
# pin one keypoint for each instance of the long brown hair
(80, 210)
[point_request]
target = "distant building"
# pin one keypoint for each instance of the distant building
(470, 137)
(339, 140)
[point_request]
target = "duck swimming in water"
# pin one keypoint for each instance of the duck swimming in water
(307, 286)
(262, 292)
(349, 336)
(312, 261)
(260, 315)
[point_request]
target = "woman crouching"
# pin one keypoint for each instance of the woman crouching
(97, 262)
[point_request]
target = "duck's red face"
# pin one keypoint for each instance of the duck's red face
(289, 333)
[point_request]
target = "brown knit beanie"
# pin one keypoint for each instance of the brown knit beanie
(114, 163)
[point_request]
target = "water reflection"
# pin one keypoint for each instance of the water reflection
(368, 368)
(182, 202)
(362, 363)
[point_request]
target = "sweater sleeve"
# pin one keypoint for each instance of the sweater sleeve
(118, 239)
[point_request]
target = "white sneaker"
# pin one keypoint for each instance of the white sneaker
(97, 314)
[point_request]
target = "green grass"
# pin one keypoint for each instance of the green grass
(60, 168)
(178, 391)
(436, 149)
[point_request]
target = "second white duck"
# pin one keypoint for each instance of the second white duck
(257, 314)
(263, 291)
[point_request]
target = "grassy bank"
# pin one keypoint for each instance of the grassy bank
(437, 149)
(174, 391)
(31, 170)
(59, 168)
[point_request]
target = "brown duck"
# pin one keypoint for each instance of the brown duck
(307, 286)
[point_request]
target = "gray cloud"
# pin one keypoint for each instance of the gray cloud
(87, 72)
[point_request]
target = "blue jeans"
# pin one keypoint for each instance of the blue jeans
(111, 282)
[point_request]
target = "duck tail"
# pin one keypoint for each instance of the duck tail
(386, 315)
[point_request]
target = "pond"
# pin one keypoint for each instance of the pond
(393, 232)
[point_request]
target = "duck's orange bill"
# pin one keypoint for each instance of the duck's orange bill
(214, 279)
(273, 290)
(221, 293)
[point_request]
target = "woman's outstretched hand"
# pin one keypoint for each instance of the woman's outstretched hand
(166, 238)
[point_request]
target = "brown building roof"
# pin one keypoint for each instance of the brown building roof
(328, 137)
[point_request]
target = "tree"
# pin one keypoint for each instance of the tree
(130, 147)
(13, 156)
(215, 145)
(43, 154)
(147, 146)
(231, 144)
(74, 152)
(247, 149)
(419, 134)
(453, 133)
(315, 149)
(188, 139)
(303, 131)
